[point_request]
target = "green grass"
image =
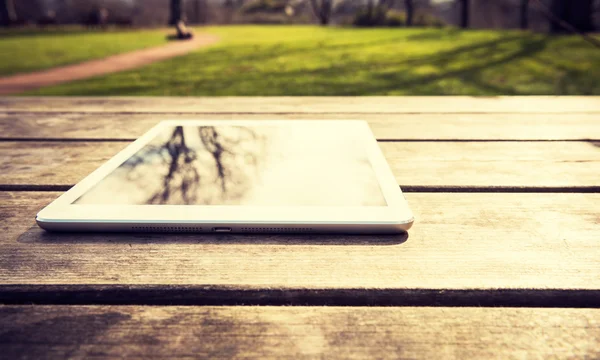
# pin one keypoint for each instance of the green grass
(309, 60)
(30, 49)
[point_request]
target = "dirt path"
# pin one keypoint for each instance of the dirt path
(131, 60)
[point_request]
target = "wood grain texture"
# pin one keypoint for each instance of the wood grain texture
(78, 332)
(459, 242)
(433, 164)
(129, 126)
(365, 104)
(518, 250)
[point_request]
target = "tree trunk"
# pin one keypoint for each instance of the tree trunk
(228, 10)
(370, 7)
(8, 15)
(324, 20)
(197, 11)
(464, 13)
(409, 5)
(176, 11)
(327, 5)
(576, 13)
(322, 10)
(4, 21)
(524, 14)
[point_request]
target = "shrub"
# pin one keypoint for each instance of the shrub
(264, 6)
(428, 20)
(395, 18)
(272, 19)
(363, 18)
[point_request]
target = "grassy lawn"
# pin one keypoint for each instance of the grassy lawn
(29, 49)
(309, 60)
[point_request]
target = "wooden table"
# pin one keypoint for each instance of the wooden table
(503, 260)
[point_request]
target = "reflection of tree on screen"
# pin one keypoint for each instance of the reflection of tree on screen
(182, 178)
(204, 167)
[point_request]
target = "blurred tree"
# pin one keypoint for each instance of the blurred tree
(410, 11)
(524, 14)
(26, 11)
(8, 15)
(176, 11)
(322, 10)
(229, 7)
(378, 7)
(464, 13)
(198, 11)
(573, 13)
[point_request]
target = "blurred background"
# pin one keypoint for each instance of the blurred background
(301, 47)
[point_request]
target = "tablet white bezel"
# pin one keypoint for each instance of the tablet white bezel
(62, 210)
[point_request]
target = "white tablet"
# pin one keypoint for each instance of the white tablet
(242, 177)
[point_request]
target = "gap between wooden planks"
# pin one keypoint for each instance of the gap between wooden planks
(565, 165)
(350, 104)
(305, 332)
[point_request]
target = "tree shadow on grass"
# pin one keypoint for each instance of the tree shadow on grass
(478, 60)
(571, 81)
(241, 71)
(436, 35)
(466, 64)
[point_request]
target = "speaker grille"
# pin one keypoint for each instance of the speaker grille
(186, 229)
(195, 229)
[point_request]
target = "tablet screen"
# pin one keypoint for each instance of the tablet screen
(297, 164)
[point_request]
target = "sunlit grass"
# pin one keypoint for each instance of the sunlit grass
(26, 50)
(310, 60)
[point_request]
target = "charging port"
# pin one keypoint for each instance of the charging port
(222, 229)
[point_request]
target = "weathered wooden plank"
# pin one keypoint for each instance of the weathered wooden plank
(576, 126)
(366, 104)
(465, 164)
(532, 242)
(30, 332)
(47, 163)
